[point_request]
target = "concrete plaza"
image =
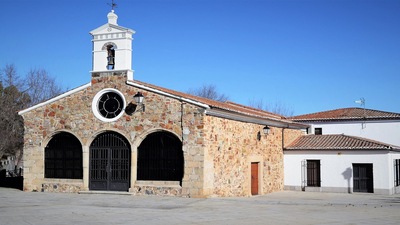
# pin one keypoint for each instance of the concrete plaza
(17, 207)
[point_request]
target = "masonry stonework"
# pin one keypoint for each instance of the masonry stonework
(232, 146)
(73, 114)
(217, 152)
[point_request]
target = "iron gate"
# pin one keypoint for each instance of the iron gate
(109, 163)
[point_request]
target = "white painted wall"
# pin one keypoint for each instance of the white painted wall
(334, 164)
(387, 131)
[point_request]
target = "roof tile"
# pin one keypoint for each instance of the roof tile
(336, 142)
(230, 106)
(347, 114)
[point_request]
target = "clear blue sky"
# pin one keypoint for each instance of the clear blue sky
(309, 55)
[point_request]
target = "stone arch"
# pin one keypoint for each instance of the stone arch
(63, 156)
(50, 136)
(109, 162)
(143, 135)
(160, 157)
(97, 133)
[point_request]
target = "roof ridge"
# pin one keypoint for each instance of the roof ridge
(351, 113)
(255, 109)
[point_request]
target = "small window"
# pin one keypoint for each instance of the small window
(313, 173)
(318, 131)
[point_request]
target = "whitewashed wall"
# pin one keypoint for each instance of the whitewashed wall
(336, 166)
(383, 131)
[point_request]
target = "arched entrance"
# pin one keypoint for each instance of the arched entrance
(63, 157)
(160, 158)
(109, 166)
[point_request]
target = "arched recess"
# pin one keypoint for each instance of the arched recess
(110, 47)
(108, 44)
(160, 158)
(63, 157)
(109, 162)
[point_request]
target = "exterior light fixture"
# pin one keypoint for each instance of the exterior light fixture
(266, 130)
(139, 98)
(139, 106)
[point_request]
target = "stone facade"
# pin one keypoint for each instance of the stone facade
(73, 114)
(231, 147)
(217, 152)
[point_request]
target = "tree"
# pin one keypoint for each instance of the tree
(278, 107)
(10, 77)
(11, 124)
(208, 91)
(41, 86)
(17, 94)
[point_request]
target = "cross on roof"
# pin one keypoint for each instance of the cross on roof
(113, 4)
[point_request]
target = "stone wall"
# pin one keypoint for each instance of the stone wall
(231, 148)
(74, 114)
(217, 152)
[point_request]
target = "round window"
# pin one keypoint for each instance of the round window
(108, 105)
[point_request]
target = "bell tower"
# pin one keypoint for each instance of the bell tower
(112, 49)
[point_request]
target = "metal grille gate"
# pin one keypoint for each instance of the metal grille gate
(109, 163)
(160, 157)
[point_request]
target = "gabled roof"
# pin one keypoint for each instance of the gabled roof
(346, 114)
(103, 29)
(217, 104)
(337, 142)
(227, 110)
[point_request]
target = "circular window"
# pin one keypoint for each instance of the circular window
(108, 105)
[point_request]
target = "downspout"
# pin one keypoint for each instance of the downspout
(283, 138)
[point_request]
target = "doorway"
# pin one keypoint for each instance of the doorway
(109, 166)
(363, 178)
(254, 178)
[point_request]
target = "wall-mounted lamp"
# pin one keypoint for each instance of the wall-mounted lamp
(139, 106)
(138, 98)
(266, 130)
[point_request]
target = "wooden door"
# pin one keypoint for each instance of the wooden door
(363, 178)
(254, 178)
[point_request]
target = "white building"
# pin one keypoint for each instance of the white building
(346, 150)
(366, 123)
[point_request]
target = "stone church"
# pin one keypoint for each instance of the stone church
(119, 134)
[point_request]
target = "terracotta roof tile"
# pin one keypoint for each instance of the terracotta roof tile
(230, 106)
(336, 142)
(347, 114)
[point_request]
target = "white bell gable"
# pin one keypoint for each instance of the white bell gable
(112, 47)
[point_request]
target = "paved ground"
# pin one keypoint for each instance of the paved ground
(17, 207)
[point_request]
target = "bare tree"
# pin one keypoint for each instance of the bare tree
(11, 124)
(10, 77)
(41, 86)
(208, 91)
(277, 107)
(16, 94)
